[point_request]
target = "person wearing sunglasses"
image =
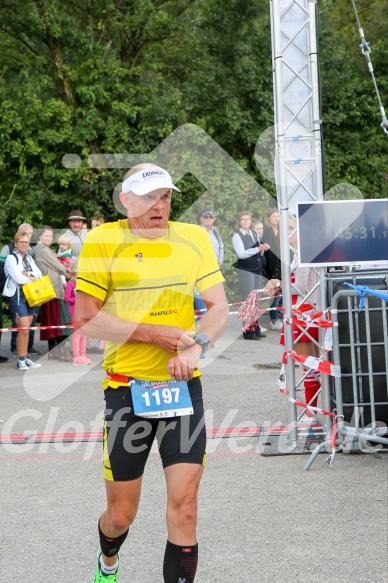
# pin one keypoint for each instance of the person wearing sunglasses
(206, 219)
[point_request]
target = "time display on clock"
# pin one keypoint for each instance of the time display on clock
(360, 232)
(343, 232)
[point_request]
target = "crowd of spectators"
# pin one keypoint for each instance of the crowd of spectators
(26, 259)
(256, 245)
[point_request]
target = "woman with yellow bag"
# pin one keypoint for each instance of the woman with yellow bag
(55, 312)
(20, 269)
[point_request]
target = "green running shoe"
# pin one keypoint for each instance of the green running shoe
(100, 577)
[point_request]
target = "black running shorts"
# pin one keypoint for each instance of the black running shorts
(128, 438)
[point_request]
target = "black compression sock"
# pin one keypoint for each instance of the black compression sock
(180, 563)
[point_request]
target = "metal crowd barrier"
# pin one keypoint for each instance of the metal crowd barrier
(360, 395)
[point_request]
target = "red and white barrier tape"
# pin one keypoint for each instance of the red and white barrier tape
(316, 323)
(323, 366)
(250, 312)
(313, 410)
(308, 407)
(260, 310)
(35, 328)
(313, 363)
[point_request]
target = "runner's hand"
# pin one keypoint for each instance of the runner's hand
(172, 338)
(182, 366)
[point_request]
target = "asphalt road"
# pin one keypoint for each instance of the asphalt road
(261, 518)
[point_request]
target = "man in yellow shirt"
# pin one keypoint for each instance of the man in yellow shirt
(135, 291)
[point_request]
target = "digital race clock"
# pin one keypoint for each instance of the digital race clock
(343, 232)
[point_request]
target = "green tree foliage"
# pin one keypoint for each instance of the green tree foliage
(79, 78)
(355, 145)
(95, 77)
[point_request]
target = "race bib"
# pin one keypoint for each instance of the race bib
(161, 398)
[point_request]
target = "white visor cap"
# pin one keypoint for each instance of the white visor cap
(148, 180)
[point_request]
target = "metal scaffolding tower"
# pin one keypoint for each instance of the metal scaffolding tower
(298, 149)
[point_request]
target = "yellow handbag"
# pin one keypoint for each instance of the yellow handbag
(39, 291)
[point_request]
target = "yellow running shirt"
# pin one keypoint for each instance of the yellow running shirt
(150, 281)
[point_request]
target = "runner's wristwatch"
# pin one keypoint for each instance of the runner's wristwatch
(202, 340)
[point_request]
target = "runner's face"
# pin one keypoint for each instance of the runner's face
(148, 214)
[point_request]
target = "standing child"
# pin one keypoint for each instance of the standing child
(78, 340)
(65, 255)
